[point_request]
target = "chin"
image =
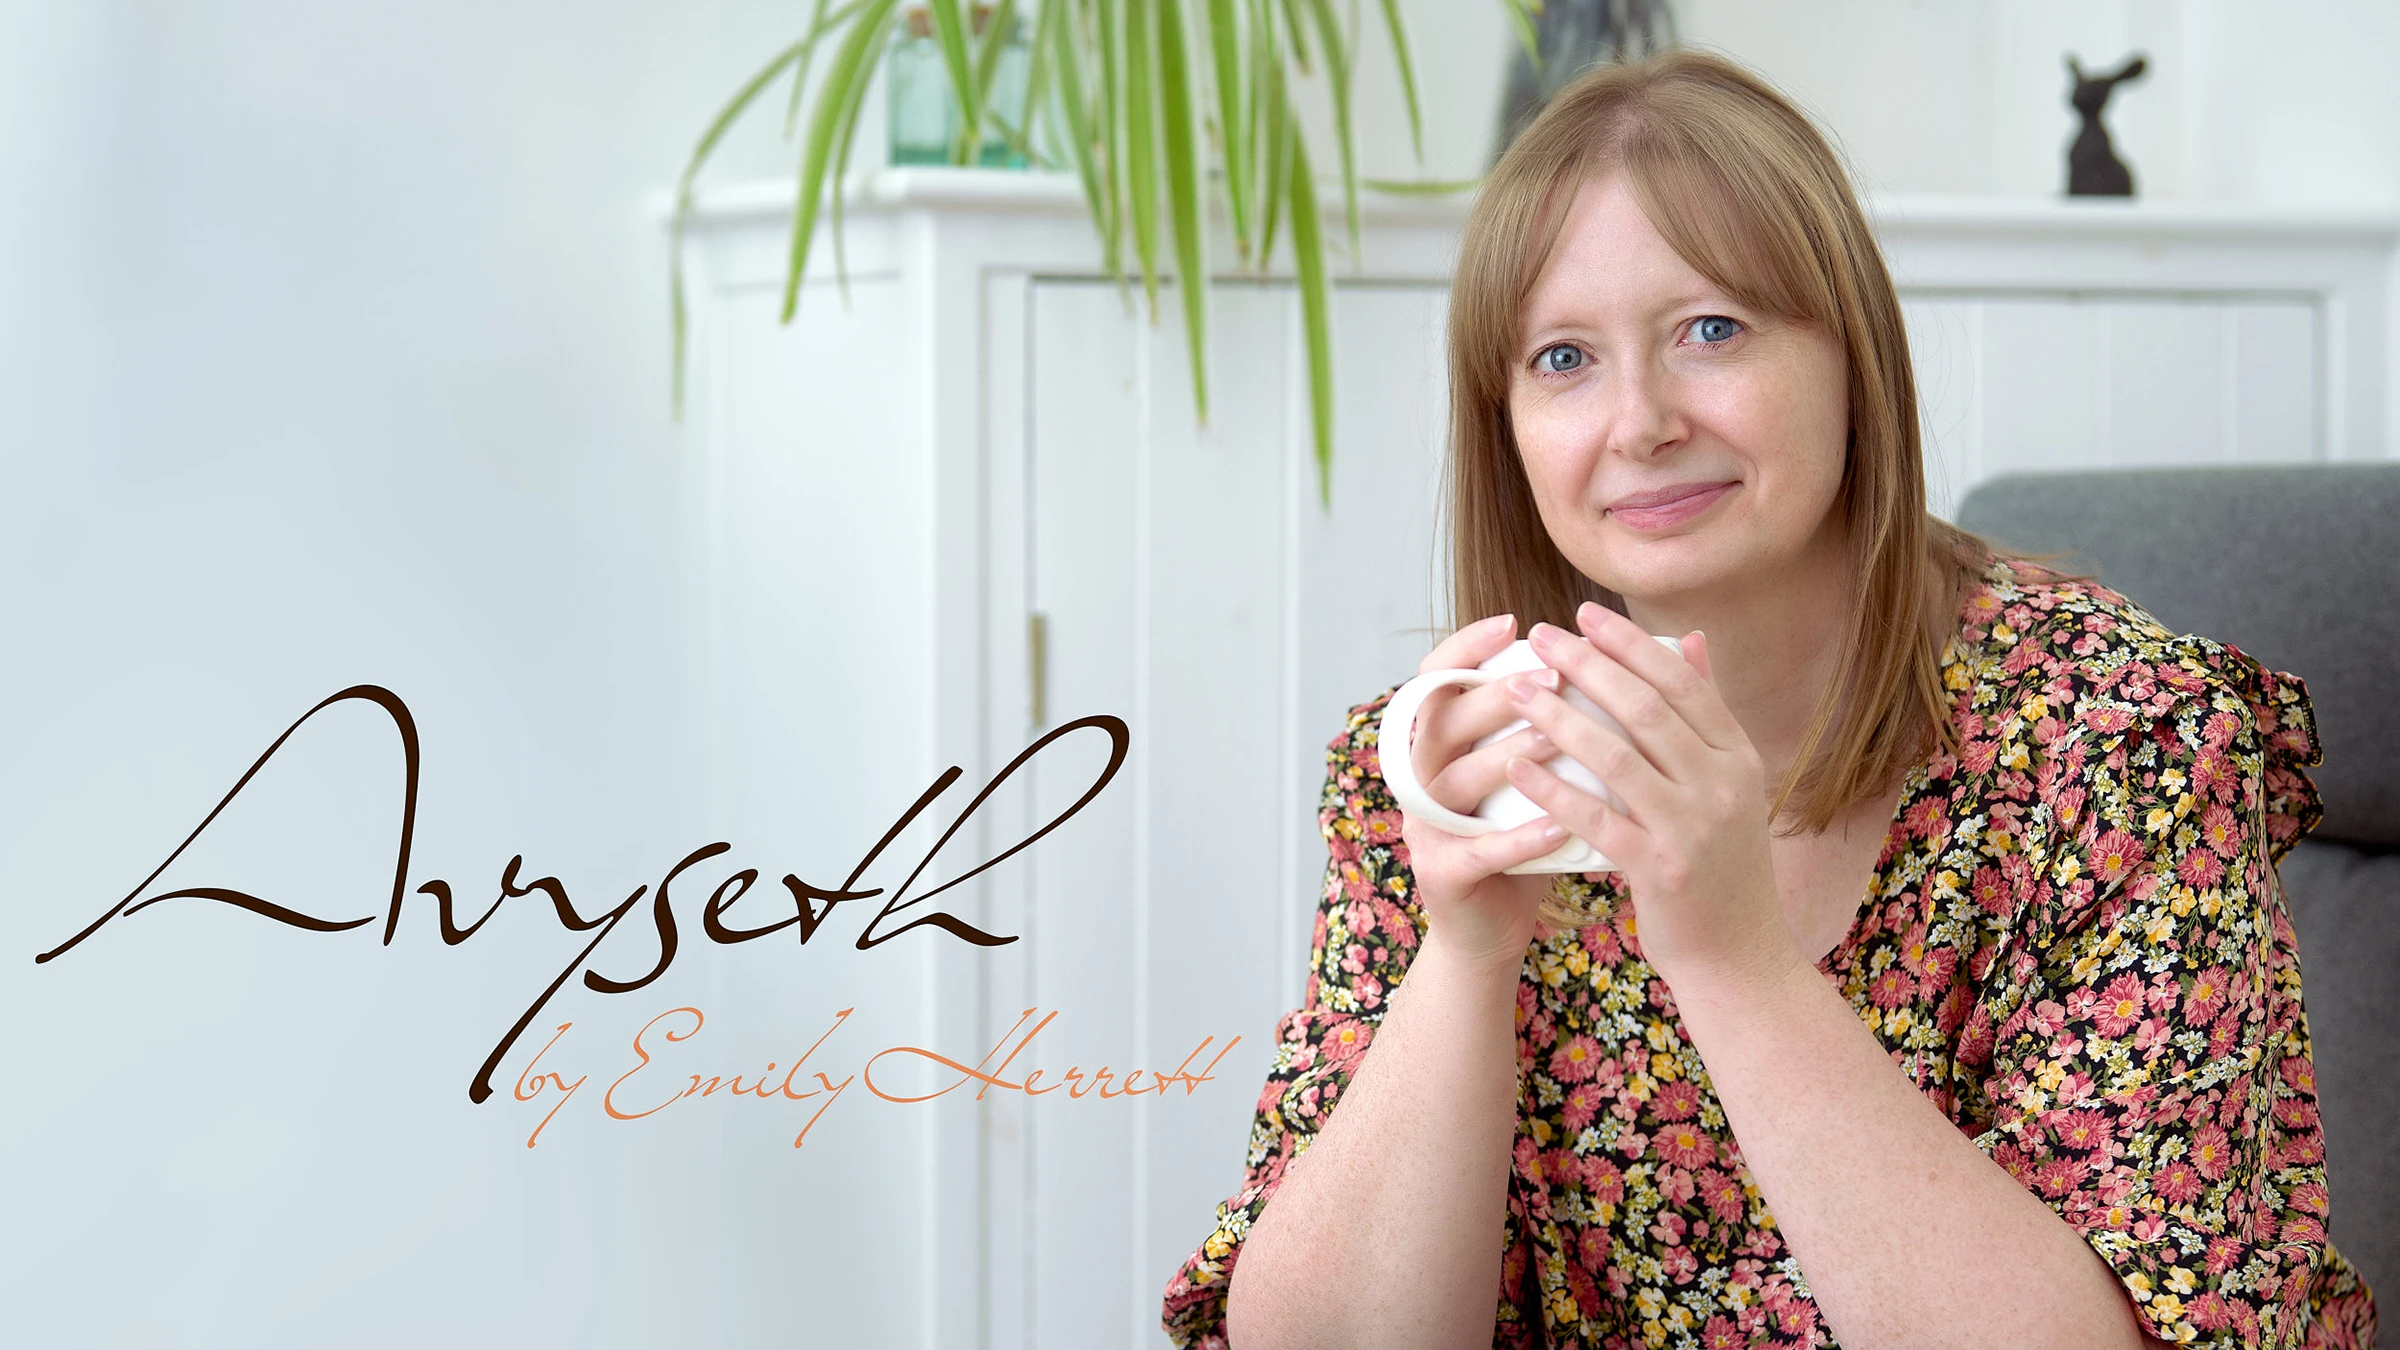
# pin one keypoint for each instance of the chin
(1659, 580)
(1661, 568)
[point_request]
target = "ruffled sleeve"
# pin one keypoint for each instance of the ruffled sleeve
(2148, 1070)
(1367, 928)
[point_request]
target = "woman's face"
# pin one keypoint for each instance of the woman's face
(1677, 442)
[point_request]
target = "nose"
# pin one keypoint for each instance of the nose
(1642, 417)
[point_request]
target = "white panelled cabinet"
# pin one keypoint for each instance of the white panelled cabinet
(971, 505)
(991, 437)
(2088, 334)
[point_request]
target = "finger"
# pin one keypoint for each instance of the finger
(1472, 645)
(1491, 854)
(1653, 725)
(1690, 691)
(1477, 774)
(1585, 815)
(1611, 757)
(1695, 651)
(1453, 719)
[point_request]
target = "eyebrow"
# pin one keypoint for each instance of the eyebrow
(1687, 300)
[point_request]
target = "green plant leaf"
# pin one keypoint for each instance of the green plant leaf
(950, 34)
(1297, 33)
(1141, 145)
(1015, 138)
(817, 24)
(1431, 187)
(1233, 131)
(725, 117)
(1071, 105)
(1337, 73)
(1037, 81)
(852, 67)
(841, 157)
(1308, 259)
(1267, 123)
(1110, 126)
(1408, 76)
(1520, 13)
(987, 61)
(1179, 117)
(987, 54)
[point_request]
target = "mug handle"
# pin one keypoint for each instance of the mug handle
(1400, 772)
(1395, 739)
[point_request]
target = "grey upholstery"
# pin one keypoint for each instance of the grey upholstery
(2299, 567)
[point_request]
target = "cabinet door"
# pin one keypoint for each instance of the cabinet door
(1189, 581)
(2041, 381)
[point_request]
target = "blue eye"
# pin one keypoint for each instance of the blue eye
(1715, 328)
(1558, 360)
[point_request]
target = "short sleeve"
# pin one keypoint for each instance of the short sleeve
(1367, 929)
(2149, 1072)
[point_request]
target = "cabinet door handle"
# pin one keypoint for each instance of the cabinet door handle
(1037, 656)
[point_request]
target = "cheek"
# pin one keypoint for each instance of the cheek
(1793, 428)
(1551, 442)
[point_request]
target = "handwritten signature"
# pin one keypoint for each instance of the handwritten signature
(811, 904)
(660, 1087)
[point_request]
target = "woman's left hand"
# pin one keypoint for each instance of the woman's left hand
(1692, 844)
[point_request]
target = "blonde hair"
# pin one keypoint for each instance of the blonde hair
(1748, 192)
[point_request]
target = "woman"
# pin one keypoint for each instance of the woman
(1945, 995)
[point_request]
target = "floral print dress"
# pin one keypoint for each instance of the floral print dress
(2073, 943)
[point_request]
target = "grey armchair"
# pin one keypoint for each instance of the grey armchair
(2300, 567)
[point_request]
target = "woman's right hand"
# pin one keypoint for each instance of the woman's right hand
(1472, 905)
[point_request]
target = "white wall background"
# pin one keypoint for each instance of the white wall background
(333, 348)
(2291, 105)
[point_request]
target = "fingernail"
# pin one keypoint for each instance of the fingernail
(1522, 688)
(1553, 832)
(1497, 621)
(1543, 635)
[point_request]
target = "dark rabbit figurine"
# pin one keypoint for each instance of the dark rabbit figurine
(2093, 169)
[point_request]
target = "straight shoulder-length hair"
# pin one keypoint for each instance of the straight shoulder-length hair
(1747, 191)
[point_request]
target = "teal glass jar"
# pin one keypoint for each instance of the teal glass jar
(925, 119)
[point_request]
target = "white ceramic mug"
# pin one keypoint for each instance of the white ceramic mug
(1505, 808)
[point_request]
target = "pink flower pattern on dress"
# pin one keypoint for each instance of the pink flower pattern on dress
(2074, 944)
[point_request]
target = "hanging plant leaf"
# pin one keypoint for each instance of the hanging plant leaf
(1271, 118)
(1337, 74)
(817, 24)
(848, 117)
(1233, 130)
(1179, 117)
(1125, 91)
(1431, 187)
(1408, 76)
(950, 35)
(1141, 144)
(845, 81)
(683, 193)
(1521, 14)
(1111, 129)
(1308, 259)
(1067, 59)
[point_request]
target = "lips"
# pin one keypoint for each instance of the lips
(1674, 506)
(1638, 501)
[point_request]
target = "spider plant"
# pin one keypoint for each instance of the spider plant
(1141, 99)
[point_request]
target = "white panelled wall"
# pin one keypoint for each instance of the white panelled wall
(2066, 335)
(995, 452)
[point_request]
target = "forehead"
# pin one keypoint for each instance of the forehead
(1609, 260)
